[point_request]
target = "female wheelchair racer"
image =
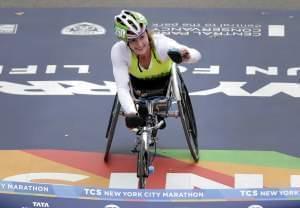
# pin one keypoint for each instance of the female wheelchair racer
(141, 58)
(143, 65)
(155, 109)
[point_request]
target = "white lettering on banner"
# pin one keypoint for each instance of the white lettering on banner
(23, 187)
(86, 88)
(228, 88)
(109, 88)
(40, 204)
(73, 87)
(250, 70)
(92, 192)
(269, 90)
(183, 195)
(82, 69)
(30, 69)
(110, 193)
(272, 70)
(150, 194)
(289, 193)
(50, 69)
(85, 69)
(209, 29)
(58, 88)
(249, 193)
(268, 193)
(36, 88)
(293, 71)
(274, 88)
(8, 28)
(130, 194)
(213, 69)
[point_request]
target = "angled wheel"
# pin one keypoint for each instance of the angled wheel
(112, 123)
(188, 119)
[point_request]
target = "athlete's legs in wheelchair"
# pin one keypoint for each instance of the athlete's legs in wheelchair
(148, 89)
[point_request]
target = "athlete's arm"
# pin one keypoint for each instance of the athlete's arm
(120, 62)
(164, 43)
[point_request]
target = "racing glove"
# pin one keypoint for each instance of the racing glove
(134, 121)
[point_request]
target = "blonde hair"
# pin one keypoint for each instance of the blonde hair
(152, 46)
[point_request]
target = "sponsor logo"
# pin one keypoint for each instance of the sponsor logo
(120, 32)
(40, 204)
(111, 206)
(210, 30)
(276, 30)
(83, 29)
(8, 28)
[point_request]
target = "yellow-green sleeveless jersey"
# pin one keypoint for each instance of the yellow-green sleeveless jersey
(156, 68)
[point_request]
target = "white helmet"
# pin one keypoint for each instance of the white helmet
(129, 24)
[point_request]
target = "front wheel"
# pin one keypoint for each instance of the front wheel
(142, 165)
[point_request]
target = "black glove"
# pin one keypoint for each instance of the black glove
(134, 121)
(175, 55)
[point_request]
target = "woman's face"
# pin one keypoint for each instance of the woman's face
(139, 45)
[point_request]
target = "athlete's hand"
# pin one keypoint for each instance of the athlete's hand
(179, 56)
(185, 55)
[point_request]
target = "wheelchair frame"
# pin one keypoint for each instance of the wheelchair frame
(177, 91)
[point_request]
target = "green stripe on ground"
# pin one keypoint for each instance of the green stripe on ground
(261, 158)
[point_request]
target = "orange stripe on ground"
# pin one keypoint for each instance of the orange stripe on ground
(14, 162)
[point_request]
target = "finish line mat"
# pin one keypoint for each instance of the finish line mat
(57, 88)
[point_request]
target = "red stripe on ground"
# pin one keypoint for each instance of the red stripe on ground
(93, 163)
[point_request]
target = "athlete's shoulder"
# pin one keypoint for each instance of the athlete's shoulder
(120, 50)
(120, 53)
(119, 46)
(161, 39)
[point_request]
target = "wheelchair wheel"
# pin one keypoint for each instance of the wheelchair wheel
(188, 119)
(142, 165)
(112, 125)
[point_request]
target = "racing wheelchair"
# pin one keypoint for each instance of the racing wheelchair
(158, 107)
